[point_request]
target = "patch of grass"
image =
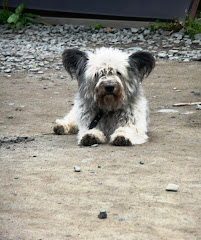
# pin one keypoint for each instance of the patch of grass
(189, 25)
(97, 26)
(4, 15)
(18, 19)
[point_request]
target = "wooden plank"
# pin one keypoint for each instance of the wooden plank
(194, 8)
(186, 104)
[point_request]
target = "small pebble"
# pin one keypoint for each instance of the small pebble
(77, 169)
(102, 214)
(198, 107)
(186, 113)
(141, 162)
(8, 70)
(94, 145)
(167, 111)
(172, 187)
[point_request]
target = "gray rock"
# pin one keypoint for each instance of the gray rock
(134, 30)
(181, 32)
(162, 55)
(196, 58)
(146, 32)
(133, 49)
(34, 69)
(188, 41)
(179, 37)
(197, 42)
(173, 52)
(176, 41)
(175, 58)
(102, 214)
(197, 36)
(186, 60)
(8, 70)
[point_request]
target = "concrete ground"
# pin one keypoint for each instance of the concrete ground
(43, 198)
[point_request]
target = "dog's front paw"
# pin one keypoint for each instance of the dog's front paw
(63, 127)
(121, 141)
(59, 129)
(91, 137)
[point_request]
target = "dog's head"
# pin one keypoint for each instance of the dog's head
(108, 78)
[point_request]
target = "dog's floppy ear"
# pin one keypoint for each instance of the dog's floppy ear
(143, 61)
(74, 62)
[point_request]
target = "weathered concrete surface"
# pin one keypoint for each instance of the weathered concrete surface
(43, 198)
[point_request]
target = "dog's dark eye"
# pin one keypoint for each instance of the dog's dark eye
(118, 73)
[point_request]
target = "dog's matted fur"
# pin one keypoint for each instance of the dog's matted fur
(110, 104)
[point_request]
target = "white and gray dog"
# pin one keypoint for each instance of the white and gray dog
(110, 105)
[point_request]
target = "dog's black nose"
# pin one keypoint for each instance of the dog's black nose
(109, 88)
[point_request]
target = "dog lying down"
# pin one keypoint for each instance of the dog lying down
(110, 105)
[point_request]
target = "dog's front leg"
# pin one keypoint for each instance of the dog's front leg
(67, 125)
(88, 137)
(127, 136)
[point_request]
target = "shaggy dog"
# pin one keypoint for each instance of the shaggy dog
(110, 105)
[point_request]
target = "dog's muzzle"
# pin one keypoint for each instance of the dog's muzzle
(109, 94)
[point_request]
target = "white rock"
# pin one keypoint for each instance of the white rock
(167, 111)
(198, 107)
(172, 187)
(187, 113)
(84, 161)
(77, 169)
(94, 145)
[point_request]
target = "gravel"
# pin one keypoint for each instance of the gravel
(16, 139)
(39, 47)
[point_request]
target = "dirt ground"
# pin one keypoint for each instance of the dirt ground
(43, 198)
